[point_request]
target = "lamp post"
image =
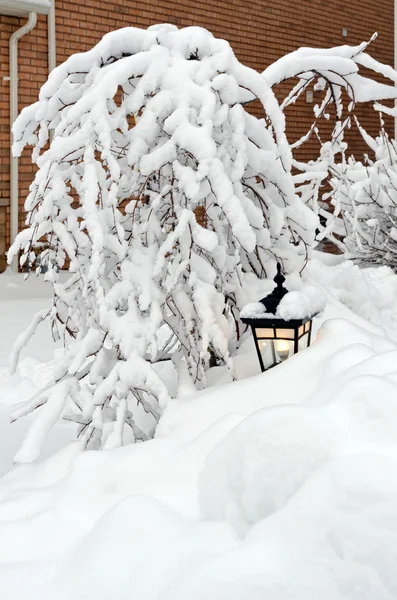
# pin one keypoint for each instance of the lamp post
(277, 339)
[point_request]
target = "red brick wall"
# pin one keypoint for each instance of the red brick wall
(259, 32)
(33, 70)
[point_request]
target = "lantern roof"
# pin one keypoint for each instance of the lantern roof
(273, 321)
(282, 308)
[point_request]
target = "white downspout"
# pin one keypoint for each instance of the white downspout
(16, 36)
(52, 53)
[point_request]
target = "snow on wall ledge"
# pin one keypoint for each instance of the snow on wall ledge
(22, 7)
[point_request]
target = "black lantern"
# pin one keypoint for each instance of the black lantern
(277, 339)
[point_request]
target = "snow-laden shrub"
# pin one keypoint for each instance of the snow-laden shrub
(334, 115)
(366, 195)
(149, 128)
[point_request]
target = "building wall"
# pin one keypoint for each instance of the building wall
(259, 32)
(33, 71)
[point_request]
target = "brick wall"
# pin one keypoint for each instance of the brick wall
(33, 70)
(259, 32)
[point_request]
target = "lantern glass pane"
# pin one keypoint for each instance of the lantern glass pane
(274, 352)
(303, 342)
(266, 348)
(287, 334)
(301, 330)
(283, 349)
(307, 326)
(264, 333)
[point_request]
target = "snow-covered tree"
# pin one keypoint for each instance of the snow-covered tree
(366, 195)
(149, 129)
(334, 71)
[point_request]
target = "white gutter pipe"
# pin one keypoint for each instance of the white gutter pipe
(52, 50)
(16, 36)
(52, 53)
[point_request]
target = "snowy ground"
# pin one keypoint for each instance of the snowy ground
(280, 486)
(19, 301)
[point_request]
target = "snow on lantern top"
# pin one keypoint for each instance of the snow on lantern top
(283, 305)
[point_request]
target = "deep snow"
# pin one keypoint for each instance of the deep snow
(279, 486)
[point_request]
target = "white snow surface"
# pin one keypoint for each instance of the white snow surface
(279, 486)
(36, 2)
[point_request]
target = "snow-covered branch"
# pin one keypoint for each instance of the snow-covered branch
(149, 130)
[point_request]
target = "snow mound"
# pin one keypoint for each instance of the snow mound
(264, 461)
(280, 486)
(368, 292)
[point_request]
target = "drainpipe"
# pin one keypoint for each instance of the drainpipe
(52, 56)
(52, 49)
(16, 36)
